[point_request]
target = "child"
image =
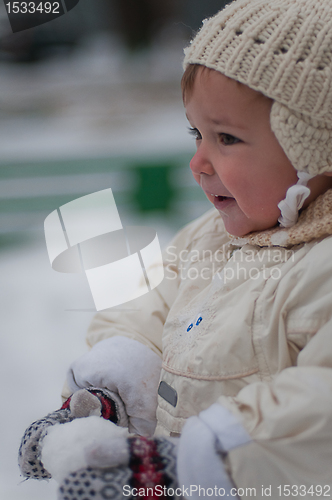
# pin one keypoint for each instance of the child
(242, 320)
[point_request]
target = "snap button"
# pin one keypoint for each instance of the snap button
(167, 392)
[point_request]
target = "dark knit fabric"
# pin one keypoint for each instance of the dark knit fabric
(150, 474)
(30, 449)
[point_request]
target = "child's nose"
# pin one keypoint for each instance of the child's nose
(201, 163)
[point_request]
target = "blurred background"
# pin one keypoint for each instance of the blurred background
(88, 101)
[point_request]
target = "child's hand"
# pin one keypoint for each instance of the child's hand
(30, 450)
(129, 371)
(83, 403)
(114, 466)
(92, 458)
(129, 374)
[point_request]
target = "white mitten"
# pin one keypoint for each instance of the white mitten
(203, 442)
(130, 371)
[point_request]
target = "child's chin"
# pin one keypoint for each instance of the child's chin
(235, 228)
(242, 226)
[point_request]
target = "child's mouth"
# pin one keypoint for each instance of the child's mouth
(222, 202)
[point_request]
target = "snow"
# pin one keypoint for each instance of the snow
(82, 443)
(39, 340)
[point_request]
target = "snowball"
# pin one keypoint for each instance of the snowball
(84, 442)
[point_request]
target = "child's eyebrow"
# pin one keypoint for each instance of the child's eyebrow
(226, 121)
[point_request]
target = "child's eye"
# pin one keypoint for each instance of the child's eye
(195, 133)
(228, 140)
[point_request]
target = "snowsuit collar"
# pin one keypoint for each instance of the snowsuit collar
(315, 222)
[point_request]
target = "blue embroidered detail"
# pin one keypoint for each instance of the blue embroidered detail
(199, 320)
(190, 327)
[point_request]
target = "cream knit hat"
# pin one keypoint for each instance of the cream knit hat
(282, 48)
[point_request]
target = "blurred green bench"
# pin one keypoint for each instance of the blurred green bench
(29, 191)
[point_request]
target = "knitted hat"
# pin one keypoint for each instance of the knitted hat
(283, 49)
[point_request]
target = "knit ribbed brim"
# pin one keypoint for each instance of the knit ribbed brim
(282, 48)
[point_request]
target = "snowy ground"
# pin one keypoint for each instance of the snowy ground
(94, 104)
(39, 339)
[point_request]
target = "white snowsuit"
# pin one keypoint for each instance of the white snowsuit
(246, 323)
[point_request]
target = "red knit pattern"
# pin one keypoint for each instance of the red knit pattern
(147, 466)
(66, 404)
(108, 409)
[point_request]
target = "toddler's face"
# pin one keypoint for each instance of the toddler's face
(239, 163)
